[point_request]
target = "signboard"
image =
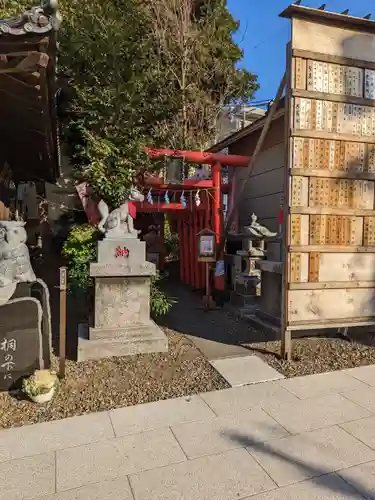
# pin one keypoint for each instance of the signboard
(207, 246)
(174, 170)
(63, 278)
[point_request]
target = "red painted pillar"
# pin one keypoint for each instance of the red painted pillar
(219, 281)
(181, 248)
(195, 249)
(191, 250)
(187, 248)
(184, 244)
(200, 264)
(188, 238)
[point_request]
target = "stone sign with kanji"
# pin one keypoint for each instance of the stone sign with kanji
(20, 341)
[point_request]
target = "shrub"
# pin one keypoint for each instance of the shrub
(80, 248)
(160, 303)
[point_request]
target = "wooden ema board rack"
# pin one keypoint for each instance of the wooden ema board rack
(330, 233)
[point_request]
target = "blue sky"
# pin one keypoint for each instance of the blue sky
(263, 35)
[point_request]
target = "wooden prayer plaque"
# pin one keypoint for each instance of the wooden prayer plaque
(314, 262)
(369, 231)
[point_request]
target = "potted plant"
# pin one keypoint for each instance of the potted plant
(41, 386)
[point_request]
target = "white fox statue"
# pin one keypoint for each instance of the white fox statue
(119, 222)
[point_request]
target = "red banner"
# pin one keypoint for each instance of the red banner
(89, 205)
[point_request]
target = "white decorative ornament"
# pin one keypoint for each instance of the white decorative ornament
(149, 198)
(197, 199)
(183, 200)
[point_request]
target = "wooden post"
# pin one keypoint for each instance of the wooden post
(208, 288)
(286, 335)
(242, 191)
(219, 281)
(62, 340)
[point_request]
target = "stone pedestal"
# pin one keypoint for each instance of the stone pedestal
(270, 302)
(122, 324)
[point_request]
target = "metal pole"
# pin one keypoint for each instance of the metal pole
(62, 339)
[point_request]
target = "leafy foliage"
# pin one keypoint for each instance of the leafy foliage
(80, 248)
(160, 303)
(10, 8)
(171, 240)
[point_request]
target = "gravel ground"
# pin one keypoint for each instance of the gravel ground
(319, 354)
(116, 382)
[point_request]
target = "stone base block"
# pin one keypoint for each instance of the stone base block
(242, 300)
(137, 338)
(270, 303)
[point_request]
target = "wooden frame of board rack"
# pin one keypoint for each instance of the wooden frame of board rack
(329, 212)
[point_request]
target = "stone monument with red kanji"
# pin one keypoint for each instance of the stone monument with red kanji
(122, 324)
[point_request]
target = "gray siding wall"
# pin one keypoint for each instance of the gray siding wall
(265, 189)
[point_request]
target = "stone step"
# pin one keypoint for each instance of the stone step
(262, 324)
(136, 339)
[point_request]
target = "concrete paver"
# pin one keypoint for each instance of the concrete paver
(308, 455)
(116, 489)
(245, 370)
(309, 414)
(329, 487)
(312, 386)
(364, 430)
(214, 436)
(244, 398)
(364, 397)
(225, 445)
(151, 416)
(362, 478)
(365, 374)
(97, 462)
(231, 475)
(27, 478)
(50, 436)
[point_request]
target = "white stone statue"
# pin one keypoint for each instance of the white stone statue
(119, 223)
(15, 265)
(257, 230)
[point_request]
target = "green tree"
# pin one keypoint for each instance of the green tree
(142, 73)
(103, 56)
(194, 39)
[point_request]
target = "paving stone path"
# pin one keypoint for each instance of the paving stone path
(310, 437)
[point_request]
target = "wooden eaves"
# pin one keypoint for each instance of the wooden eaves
(29, 129)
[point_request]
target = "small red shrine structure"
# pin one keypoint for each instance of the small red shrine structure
(201, 206)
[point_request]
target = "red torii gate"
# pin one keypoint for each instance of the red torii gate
(209, 214)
